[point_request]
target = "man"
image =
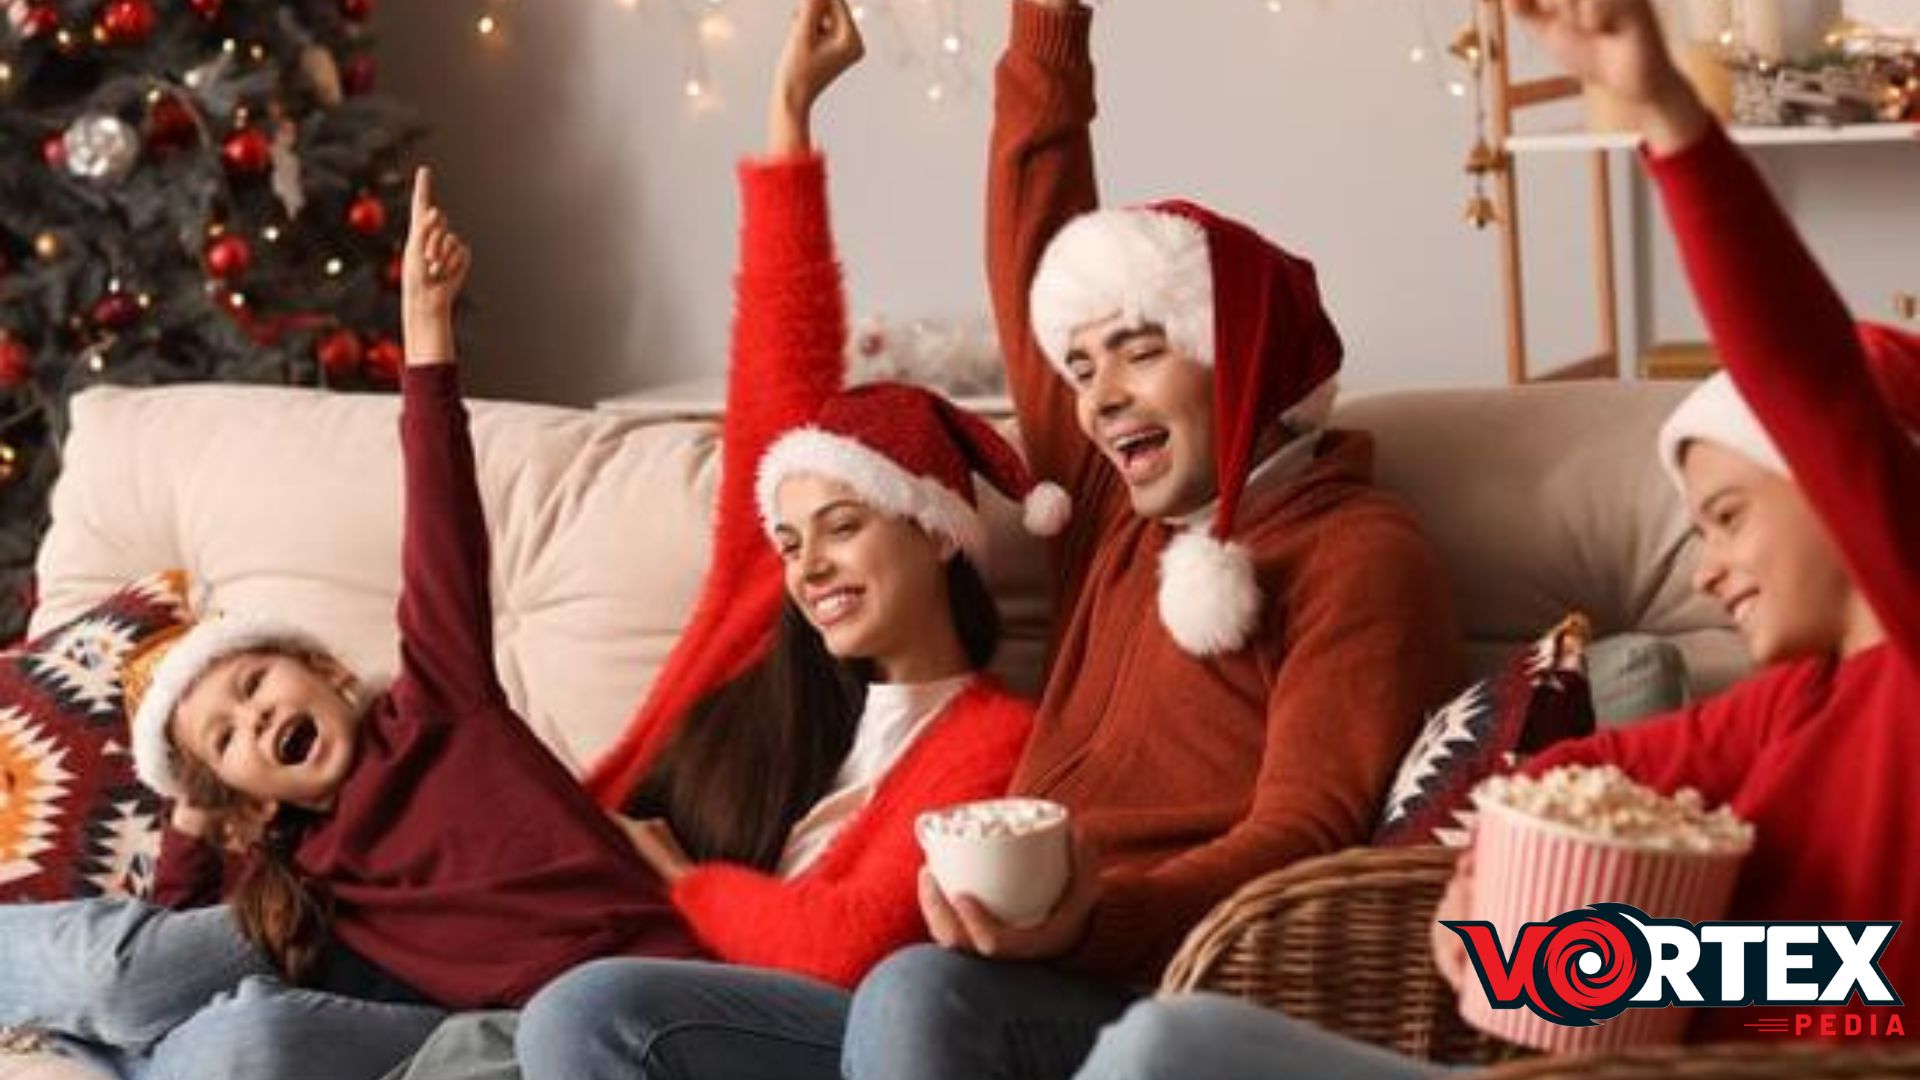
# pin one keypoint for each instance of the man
(1249, 631)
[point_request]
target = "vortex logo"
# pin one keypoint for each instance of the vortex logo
(1592, 964)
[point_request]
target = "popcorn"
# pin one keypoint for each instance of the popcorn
(1602, 803)
(993, 818)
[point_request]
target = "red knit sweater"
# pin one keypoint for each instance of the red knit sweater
(858, 902)
(1194, 776)
(1818, 754)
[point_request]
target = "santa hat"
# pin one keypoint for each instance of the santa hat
(1227, 299)
(1717, 413)
(160, 674)
(911, 453)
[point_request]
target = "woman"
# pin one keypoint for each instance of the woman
(1799, 472)
(780, 810)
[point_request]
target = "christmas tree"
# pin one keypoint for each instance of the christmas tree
(189, 190)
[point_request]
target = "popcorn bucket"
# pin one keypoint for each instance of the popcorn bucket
(1529, 869)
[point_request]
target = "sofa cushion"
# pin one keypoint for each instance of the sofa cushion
(1539, 698)
(288, 501)
(1635, 676)
(74, 821)
(1550, 498)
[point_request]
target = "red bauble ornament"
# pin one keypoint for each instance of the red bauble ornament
(385, 358)
(229, 257)
(206, 9)
(127, 22)
(16, 364)
(40, 20)
(357, 10)
(396, 267)
(115, 311)
(357, 74)
(367, 216)
(53, 151)
(247, 151)
(339, 353)
(170, 126)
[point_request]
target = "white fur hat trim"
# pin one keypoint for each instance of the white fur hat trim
(1147, 266)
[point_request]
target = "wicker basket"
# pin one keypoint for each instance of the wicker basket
(1341, 941)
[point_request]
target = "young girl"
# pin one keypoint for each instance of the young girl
(1800, 472)
(416, 848)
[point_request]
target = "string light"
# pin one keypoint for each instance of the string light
(487, 25)
(695, 88)
(271, 234)
(951, 44)
(335, 267)
(1274, 6)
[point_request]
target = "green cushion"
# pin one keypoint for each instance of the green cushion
(1635, 676)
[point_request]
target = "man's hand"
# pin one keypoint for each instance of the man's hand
(1617, 46)
(822, 44)
(962, 922)
(432, 272)
(654, 841)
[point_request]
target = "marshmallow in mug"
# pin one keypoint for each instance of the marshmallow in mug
(1604, 804)
(996, 817)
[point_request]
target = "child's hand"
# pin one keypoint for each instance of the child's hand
(432, 272)
(822, 43)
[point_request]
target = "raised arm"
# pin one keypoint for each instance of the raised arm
(446, 611)
(1781, 329)
(1040, 175)
(788, 357)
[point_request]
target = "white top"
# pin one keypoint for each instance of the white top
(897, 714)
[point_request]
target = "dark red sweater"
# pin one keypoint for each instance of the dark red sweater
(1818, 754)
(462, 857)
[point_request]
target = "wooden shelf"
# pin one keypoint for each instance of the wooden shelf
(1809, 135)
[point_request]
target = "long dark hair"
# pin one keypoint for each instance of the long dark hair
(273, 906)
(753, 756)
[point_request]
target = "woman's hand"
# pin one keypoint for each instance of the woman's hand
(823, 42)
(432, 272)
(962, 922)
(1617, 45)
(656, 845)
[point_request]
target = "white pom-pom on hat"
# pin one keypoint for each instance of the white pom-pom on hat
(1209, 600)
(1046, 509)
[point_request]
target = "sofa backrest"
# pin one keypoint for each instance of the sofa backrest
(288, 501)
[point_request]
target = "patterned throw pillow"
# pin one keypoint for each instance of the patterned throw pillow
(1539, 698)
(73, 819)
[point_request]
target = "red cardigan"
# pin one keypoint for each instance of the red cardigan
(857, 903)
(1819, 754)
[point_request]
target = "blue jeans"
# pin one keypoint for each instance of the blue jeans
(146, 992)
(929, 1012)
(654, 1019)
(1225, 1039)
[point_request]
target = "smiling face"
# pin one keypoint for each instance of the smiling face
(873, 584)
(1766, 558)
(1149, 409)
(274, 727)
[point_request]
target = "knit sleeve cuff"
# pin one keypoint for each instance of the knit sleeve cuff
(784, 213)
(1053, 37)
(1121, 933)
(1693, 169)
(436, 382)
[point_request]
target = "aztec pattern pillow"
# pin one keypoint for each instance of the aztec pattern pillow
(74, 821)
(1539, 698)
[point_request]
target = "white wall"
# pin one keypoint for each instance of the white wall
(602, 202)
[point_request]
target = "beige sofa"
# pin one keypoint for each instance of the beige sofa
(1542, 499)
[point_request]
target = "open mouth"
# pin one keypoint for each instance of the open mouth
(1140, 452)
(296, 743)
